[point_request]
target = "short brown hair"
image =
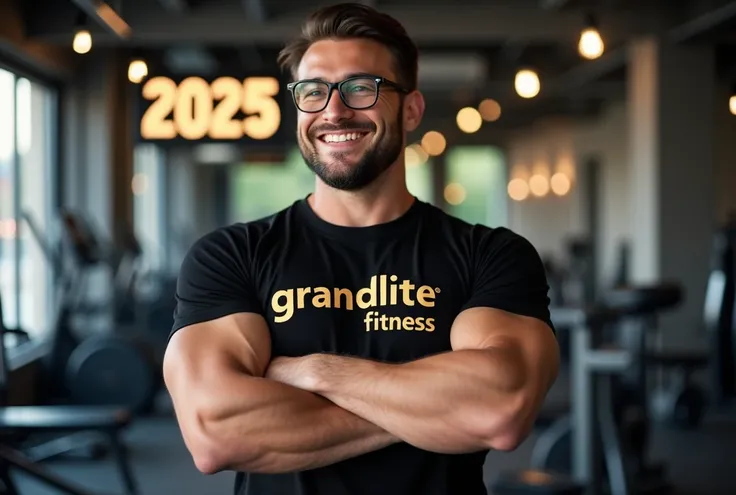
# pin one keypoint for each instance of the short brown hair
(354, 20)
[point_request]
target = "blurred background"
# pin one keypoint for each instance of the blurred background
(602, 130)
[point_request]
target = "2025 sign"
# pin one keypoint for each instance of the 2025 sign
(225, 109)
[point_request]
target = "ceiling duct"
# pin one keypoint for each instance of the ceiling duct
(452, 71)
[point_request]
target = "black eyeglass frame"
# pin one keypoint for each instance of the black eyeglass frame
(380, 81)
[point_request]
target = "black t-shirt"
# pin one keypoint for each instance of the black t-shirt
(388, 292)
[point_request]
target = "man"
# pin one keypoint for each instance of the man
(360, 341)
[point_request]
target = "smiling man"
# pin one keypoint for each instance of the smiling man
(360, 341)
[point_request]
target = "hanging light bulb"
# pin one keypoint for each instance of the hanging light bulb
(137, 71)
(82, 42)
(527, 83)
(591, 44)
(732, 100)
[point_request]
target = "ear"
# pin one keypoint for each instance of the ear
(413, 110)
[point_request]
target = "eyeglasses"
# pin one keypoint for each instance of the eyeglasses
(358, 92)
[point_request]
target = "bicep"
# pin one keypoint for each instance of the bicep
(508, 307)
(528, 340)
(203, 360)
(206, 366)
(239, 341)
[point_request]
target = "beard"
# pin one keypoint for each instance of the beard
(352, 177)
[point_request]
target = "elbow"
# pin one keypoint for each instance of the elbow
(206, 461)
(211, 452)
(505, 429)
(208, 454)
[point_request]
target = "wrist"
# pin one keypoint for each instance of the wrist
(321, 370)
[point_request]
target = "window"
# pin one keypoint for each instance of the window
(476, 185)
(419, 181)
(8, 264)
(149, 202)
(259, 190)
(27, 185)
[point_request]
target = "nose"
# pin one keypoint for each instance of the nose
(336, 111)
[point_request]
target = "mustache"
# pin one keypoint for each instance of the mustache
(345, 126)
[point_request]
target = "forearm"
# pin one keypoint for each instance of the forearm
(453, 402)
(272, 427)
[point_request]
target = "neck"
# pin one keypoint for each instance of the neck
(383, 201)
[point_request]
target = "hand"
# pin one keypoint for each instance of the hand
(298, 372)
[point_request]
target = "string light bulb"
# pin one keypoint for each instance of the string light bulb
(732, 100)
(82, 42)
(591, 44)
(137, 71)
(527, 83)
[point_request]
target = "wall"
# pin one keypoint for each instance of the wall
(725, 155)
(566, 144)
(548, 221)
(606, 140)
(545, 221)
(97, 154)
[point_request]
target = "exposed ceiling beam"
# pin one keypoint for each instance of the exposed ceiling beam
(703, 23)
(178, 6)
(485, 24)
(554, 4)
(255, 10)
(104, 15)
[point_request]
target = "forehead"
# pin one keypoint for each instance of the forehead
(333, 60)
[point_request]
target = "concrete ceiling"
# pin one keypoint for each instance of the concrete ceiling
(470, 49)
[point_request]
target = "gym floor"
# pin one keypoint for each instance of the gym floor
(700, 462)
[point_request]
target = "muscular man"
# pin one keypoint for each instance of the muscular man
(360, 341)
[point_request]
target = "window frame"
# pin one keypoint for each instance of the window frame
(22, 355)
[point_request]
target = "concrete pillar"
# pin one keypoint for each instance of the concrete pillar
(671, 144)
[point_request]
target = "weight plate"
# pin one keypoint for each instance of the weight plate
(110, 371)
(553, 449)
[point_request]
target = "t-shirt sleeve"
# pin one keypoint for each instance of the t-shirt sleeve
(508, 274)
(215, 280)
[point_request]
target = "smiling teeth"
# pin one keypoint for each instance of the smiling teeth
(339, 138)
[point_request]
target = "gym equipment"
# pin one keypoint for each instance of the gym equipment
(589, 364)
(143, 300)
(109, 369)
(27, 420)
(719, 316)
(602, 444)
(681, 402)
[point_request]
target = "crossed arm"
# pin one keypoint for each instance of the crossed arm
(238, 410)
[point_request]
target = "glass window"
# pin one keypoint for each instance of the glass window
(419, 180)
(258, 190)
(149, 202)
(8, 258)
(476, 185)
(35, 118)
(27, 179)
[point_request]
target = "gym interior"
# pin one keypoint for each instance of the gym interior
(604, 131)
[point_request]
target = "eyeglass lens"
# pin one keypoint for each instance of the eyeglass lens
(358, 93)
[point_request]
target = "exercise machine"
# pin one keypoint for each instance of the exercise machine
(15, 421)
(601, 446)
(720, 318)
(578, 430)
(144, 300)
(111, 368)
